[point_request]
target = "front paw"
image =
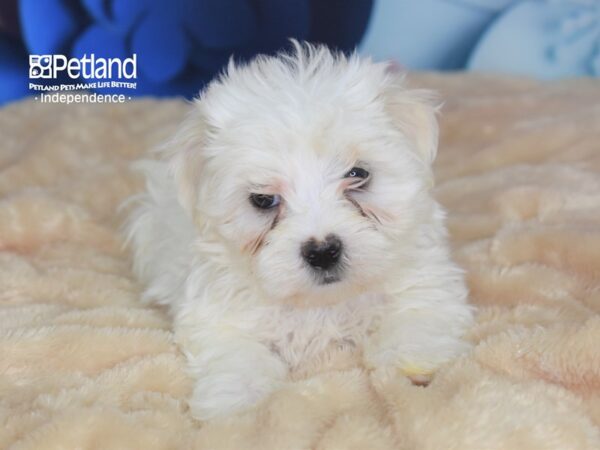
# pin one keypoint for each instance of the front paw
(222, 393)
(231, 373)
(417, 375)
(416, 360)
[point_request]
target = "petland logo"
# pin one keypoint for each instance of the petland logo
(51, 66)
(87, 73)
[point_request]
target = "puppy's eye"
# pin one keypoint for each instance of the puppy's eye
(357, 172)
(263, 201)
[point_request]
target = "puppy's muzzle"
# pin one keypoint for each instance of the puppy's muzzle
(324, 256)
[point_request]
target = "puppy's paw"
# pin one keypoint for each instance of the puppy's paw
(416, 376)
(421, 379)
(226, 395)
(416, 361)
(220, 394)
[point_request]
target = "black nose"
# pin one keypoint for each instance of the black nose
(322, 255)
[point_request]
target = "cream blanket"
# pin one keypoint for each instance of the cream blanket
(84, 365)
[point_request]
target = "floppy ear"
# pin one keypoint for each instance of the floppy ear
(414, 113)
(184, 154)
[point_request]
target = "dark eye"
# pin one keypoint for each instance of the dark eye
(263, 201)
(357, 172)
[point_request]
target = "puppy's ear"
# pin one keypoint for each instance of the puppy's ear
(184, 152)
(414, 113)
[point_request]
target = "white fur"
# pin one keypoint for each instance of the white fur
(247, 311)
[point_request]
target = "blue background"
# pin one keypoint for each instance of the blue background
(182, 44)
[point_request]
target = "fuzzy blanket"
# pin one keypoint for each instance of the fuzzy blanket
(84, 365)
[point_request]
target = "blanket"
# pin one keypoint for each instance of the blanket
(83, 364)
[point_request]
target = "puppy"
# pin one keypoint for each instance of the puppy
(291, 212)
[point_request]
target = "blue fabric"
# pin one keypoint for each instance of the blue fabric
(539, 38)
(429, 34)
(542, 39)
(221, 24)
(161, 46)
(13, 75)
(180, 44)
(47, 25)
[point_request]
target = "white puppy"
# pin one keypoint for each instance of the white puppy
(292, 212)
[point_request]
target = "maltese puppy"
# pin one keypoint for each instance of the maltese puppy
(291, 213)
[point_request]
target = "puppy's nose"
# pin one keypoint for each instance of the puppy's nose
(322, 255)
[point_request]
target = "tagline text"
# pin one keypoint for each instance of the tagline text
(81, 86)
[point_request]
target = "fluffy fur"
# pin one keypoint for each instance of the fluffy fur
(247, 309)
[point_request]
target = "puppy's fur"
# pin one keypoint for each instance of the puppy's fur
(247, 306)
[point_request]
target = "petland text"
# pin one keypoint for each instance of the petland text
(87, 67)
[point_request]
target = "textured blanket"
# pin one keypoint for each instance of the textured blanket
(84, 365)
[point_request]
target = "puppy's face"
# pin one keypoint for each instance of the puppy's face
(311, 187)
